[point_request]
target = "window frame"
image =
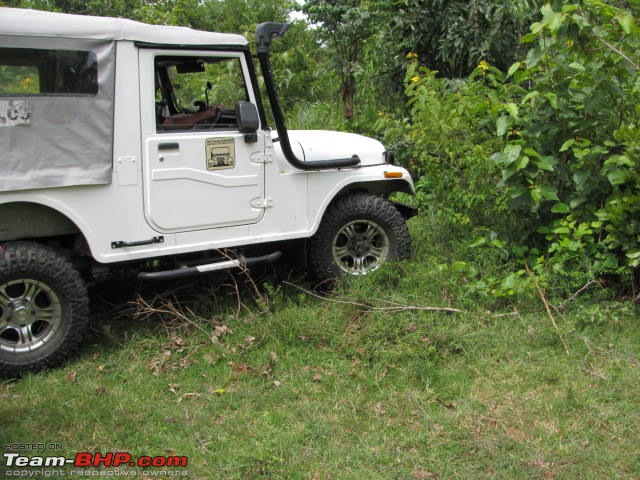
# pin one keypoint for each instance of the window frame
(43, 59)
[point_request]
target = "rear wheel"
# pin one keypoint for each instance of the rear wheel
(43, 308)
(357, 234)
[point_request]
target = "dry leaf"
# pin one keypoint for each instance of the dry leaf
(240, 369)
(188, 395)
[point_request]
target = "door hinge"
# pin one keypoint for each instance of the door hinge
(263, 157)
(262, 203)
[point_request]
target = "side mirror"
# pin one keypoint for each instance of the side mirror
(248, 120)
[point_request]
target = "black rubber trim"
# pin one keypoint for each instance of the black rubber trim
(407, 211)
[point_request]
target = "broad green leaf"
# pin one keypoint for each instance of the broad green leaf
(536, 195)
(547, 163)
(512, 108)
(548, 192)
(511, 152)
(497, 157)
(565, 146)
(556, 22)
(580, 20)
(477, 242)
(620, 160)
(501, 125)
(510, 281)
(576, 202)
(521, 162)
(546, 10)
(580, 179)
(560, 207)
(581, 152)
(634, 256)
(626, 22)
(514, 68)
(536, 28)
(553, 100)
(617, 177)
(531, 152)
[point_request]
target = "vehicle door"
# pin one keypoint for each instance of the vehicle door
(198, 174)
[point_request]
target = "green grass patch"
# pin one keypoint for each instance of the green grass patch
(365, 384)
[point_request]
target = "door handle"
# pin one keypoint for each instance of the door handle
(168, 146)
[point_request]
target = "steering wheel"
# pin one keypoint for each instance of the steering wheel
(209, 122)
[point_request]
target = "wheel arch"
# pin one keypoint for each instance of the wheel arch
(375, 187)
(28, 220)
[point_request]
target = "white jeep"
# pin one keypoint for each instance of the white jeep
(116, 151)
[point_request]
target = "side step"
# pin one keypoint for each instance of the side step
(184, 272)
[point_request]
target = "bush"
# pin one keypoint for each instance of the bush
(572, 148)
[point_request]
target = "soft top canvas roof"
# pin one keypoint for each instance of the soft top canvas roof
(36, 23)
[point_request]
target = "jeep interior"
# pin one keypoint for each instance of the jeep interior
(187, 85)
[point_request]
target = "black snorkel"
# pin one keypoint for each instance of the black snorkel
(265, 34)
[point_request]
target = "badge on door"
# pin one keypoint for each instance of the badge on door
(221, 153)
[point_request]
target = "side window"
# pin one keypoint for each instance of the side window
(31, 71)
(198, 92)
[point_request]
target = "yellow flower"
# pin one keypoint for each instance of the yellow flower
(484, 65)
(412, 56)
(415, 79)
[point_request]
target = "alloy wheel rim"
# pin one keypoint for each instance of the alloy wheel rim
(360, 247)
(30, 315)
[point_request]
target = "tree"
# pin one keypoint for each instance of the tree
(452, 36)
(343, 25)
(114, 8)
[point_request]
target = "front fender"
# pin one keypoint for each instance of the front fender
(325, 188)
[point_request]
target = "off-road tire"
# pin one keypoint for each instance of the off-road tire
(364, 231)
(44, 308)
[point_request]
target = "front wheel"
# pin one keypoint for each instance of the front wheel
(357, 234)
(43, 308)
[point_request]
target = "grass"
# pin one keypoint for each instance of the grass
(283, 385)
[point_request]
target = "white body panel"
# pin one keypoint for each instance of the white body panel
(167, 192)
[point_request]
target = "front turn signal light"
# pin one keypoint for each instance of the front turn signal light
(392, 174)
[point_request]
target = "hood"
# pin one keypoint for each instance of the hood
(310, 145)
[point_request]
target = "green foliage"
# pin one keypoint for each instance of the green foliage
(571, 157)
(345, 24)
(453, 36)
(446, 141)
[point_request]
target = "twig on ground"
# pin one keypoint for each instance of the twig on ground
(501, 315)
(365, 306)
(144, 310)
(547, 306)
(580, 291)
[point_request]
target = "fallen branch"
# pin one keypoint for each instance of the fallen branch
(547, 306)
(394, 308)
(144, 310)
(580, 291)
